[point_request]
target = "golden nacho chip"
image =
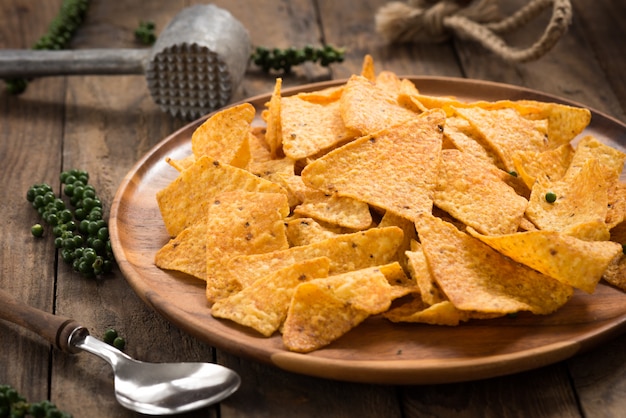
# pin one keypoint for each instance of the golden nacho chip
(475, 193)
(475, 277)
(309, 127)
(263, 305)
(463, 136)
(337, 210)
(185, 200)
(581, 197)
(407, 96)
(564, 122)
(316, 318)
(389, 81)
(551, 164)
(366, 108)
(401, 284)
(376, 246)
(381, 169)
(616, 213)
(611, 159)
(407, 226)
(323, 96)
(310, 324)
(186, 252)
(503, 132)
(240, 222)
(272, 118)
(568, 259)
(182, 163)
(441, 313)
(305, 231)
(615, 274)
(417, 266)
(224, 136)
(367, 68)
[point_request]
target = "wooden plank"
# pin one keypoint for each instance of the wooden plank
(35, 133)
(354, 28)
(603, 27)
(268, 391)
(499, 397)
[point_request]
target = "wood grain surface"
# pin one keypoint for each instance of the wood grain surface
(107, 124)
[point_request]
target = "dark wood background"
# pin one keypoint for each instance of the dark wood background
(105, 124)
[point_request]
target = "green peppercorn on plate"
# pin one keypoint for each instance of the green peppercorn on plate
(376, 351)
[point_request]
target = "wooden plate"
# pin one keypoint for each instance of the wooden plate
(377, 351)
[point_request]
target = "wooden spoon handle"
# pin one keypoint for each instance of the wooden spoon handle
(54, 328)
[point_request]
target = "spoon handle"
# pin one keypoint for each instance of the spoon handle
(55, 329)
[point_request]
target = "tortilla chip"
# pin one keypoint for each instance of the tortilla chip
(240, 222)
(337, 210)
(305, 231)
(615, 274)
(475, 193)
(323, 310)
(504, 132)
(616, 213)
(463, 137)
(401, 284)
(182, 163)
(186, 252)
(376, 246)
(564, 122)
(185, 200)
(224, 136)
(429, 290)
(316, 318)
(323, 96)
(407, 226)
(367, 68)
(366, 108)
(581, 197)
(380, 169)
(308, 128)
(263, 305)
(272, 117)
(475, 277)
(570, 260)
(416, 311)
(551, 164)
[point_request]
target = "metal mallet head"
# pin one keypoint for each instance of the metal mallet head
(198, 61)
(194, 67)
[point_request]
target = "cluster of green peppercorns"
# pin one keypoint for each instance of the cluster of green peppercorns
(81, 235)
(284, 59)
(13, 405)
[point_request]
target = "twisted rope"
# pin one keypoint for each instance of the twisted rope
(437, 21)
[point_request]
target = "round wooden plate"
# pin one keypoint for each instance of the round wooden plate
(377, 351)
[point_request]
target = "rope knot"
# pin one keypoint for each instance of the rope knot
(424, 20)
(478, 20)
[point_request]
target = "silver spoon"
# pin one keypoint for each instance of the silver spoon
(148, 388)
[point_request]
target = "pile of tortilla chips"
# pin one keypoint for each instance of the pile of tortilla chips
(370, 198)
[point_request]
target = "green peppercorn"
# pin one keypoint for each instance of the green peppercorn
(119, 343)
(37, 230)
(550, 197)
(109, 335)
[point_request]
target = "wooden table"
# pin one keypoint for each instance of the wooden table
(104, 124)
